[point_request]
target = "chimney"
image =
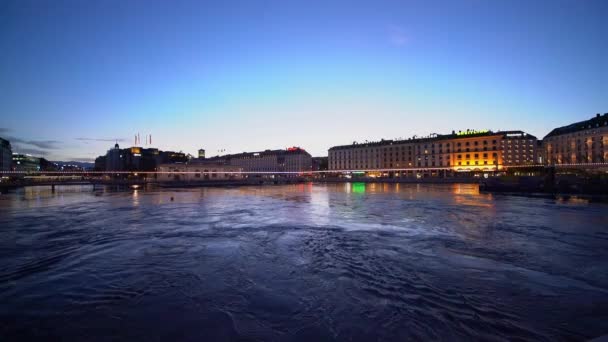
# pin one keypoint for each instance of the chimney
(597, 115)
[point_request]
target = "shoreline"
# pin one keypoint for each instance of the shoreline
(483, 188)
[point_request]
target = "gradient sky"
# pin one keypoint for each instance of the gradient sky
(251, 75)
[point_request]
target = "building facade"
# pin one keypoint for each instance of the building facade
(197, 172)
(582, 142)
(6, 155)
(25, 162)
(518, 148)
(114, 159)
(293, 159)
(459, 151)
(319, 163)
(132, 159)
(100, 163)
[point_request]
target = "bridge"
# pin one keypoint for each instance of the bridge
(127, 178)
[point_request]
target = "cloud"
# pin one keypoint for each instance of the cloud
(41, 144)
(4, 130)
(397, 36)
(27, 150)
(102, 139)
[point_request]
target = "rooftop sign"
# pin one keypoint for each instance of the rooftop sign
(472, 131)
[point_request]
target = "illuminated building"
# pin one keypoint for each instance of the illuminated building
(197, 172)
(25, 162)
(131, 159)
(519, 148)
(470, 150)
(141, 159)
(582, 142)
(201, 153)
(293, 159)
(476, 150)
(6, 155)
(169, 157)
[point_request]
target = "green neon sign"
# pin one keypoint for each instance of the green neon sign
(473, 131)
(359, 188)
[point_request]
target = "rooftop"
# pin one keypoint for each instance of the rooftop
(290, 150)
(597, 121)
(436, 137)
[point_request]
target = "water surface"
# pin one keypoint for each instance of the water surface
(300, 262)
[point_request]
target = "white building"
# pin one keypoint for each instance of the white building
(196, 172)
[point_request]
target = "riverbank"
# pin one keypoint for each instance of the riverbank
(550, 184)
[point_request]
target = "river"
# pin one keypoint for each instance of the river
(304, 262)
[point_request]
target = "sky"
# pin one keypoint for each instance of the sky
(234, 76)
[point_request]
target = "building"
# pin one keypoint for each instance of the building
(201, 154)
(518, 148)
(25, 162)
(319, 163)
(293, 159)
(198, 172)
(132, 159)
(141, 159)
(46, 165)
(578, 144)
(115, 159)
(6, 155)
(170, 157)
(100, 163)
(470, 150)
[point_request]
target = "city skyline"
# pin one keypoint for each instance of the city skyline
(271, 75)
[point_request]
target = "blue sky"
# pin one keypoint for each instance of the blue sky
(251, 75)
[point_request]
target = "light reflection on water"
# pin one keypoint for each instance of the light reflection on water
(301, 262)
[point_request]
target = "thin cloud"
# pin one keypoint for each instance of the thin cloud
(41, 144)
(4, 130)
(27, 150)
(397, 36)
(101, 139)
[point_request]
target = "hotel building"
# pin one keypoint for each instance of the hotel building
(582, 142)
(519, 148)
(460, 151)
